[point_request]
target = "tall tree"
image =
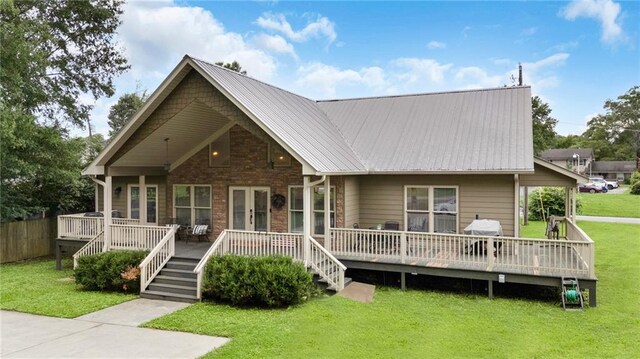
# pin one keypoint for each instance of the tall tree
(615, 135)
(120, 113)
(234, 66)
(544, 125)
(55, 50)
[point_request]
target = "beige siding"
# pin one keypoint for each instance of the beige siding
(351, 201)
(488, 196)
(119, 201)
(546, 177)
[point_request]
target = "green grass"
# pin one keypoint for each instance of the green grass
(419, 324)
(37, 287)
(610, 205)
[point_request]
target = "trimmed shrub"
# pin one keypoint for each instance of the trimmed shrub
(635, 178)
(635, 188)
(552, 200)
(111, 271)
(272, 281)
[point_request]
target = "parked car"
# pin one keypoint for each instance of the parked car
(591, 188)
(602, 181)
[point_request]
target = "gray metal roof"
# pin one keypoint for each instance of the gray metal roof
(614, 166)
(295, 120)
(477, 130)
(566, 153)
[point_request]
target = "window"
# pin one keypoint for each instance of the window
(431, 209)
(192, 204)
(278, 156)
(220, 151)
(134, 202)
(296, 216)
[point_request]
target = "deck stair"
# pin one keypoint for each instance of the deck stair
(317, 277)
(176, 282)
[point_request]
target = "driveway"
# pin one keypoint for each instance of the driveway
(109, 333)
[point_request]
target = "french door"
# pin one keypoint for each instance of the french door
(152, 203)
(249, 208)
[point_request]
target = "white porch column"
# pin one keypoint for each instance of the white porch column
(306, 212)
(516, 205)
(142, 201)
(97, 197)
(573, 204)
(567, 202)
(327, 213)
(108, 197)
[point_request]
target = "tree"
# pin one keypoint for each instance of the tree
(615, 135)
(55, 50)
(544, 125)
(120, 113)
(234, 66)
(40, 168)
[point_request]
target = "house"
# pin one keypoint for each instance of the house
(272, 172)
(576, 159)
(614, 170)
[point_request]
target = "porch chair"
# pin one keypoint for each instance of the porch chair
(199, 231)
(391, 226)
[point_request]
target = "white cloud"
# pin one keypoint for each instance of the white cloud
(604, 11)
(318, 79)
(157, 35)
(476, 77)
(320, 27)
(465, 31)
(501, 61)
(540, 74)
(529, 31)
(421, 70)
(436, 45)
(275, 43)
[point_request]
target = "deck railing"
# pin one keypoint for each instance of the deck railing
(94, 246)
(572, 256)
(326, 266)
(157, 258)
(79, 226)
(136, 237)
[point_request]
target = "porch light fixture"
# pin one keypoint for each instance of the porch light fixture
(167, 165)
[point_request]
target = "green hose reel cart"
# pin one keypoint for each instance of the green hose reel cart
(571, 294)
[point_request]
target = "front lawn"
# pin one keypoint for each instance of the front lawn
(419, 324)
(610, 205)
(37, 287)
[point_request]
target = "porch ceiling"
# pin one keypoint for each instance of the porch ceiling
(189, 129)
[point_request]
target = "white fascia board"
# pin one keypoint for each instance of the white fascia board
(461, 172)
(133, 124)
(252, 116)
(93, 171)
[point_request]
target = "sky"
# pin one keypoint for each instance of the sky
(575, 55)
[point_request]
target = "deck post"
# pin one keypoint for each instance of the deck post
(97, 196)
(516, 205)
(403, 249)
(327, 214)
(142, 201)
(490, 286)
(403, 282)
(573, 205)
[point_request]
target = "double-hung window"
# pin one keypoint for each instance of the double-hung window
(431, 209)
(296, 216)
(192, 204)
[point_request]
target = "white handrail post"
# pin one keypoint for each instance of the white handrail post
(327, 213)
(403, 247)
(490, 254)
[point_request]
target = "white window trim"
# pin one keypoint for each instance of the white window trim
(431, 210)
(192, 201)
(313, 211)
(132, 185)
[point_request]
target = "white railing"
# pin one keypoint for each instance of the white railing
(136, 237)
(326, 265)
(125, 221)
(94, 246)
(215, 249)
(507, 254)
(157, 258)
(588, 252)
(79, 226)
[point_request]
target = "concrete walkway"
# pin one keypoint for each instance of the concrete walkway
(609, 219)
(109, 333)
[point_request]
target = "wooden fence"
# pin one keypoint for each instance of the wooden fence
(27, 239)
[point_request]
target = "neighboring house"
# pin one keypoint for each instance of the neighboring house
(215, 147)
(614, 170)
(576, 159)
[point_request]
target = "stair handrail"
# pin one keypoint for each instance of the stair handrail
(93, 246)
(157, 258)
(339, 284)
(198, 270)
